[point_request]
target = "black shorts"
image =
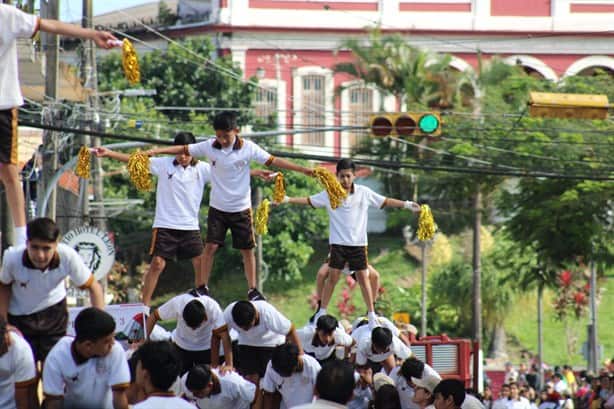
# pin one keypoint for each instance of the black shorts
(8, 136)
(180, 244)
(253, 360)
(239, 223)
(191, 358)
(355, 256)
(43, 329)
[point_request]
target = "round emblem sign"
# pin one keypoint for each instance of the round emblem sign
(95, 248)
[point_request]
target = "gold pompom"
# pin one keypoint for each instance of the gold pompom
(279, 192)
(336, 192)
(261, 219)
(138, 168)
(130, 62)
(426, 224)
(83, 163)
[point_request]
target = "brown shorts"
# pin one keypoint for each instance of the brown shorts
(8, 136)
(43, 328)
(355, 256)
(180, 244)
(239, 223)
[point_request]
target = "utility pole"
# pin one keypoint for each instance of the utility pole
(477, 279)
(540, 332)
(593, 342)
(423, 301)
(50, 42)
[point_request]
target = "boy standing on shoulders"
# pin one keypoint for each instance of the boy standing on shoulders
(32, 289)
(90, 370)
(230, 204)
(348, 231)
(17, 24)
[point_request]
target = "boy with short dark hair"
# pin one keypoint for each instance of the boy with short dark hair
(200, 328)
(209, 389)
(348, 231)
(17, 371)
(17, 24)
(32, 289)
(230, 203)
(157, 368)
(449, 394)
(90, 370)
(321, 340)
(381, 348)
(292, 375)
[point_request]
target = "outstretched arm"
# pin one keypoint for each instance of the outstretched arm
(102, 39)
(172, 150)
(294, 200)
(400, 204)
(286, 164)
(102, 152)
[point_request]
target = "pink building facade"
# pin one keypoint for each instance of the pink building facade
(291, 45)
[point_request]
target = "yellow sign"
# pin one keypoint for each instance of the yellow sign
(401, 317)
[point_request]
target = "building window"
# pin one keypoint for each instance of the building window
(312, 109)
(360, 107)
(265, 105)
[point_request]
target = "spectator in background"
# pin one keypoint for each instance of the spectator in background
(511, 374)
(560, 385)
(532, 377)
(487, 397)
(570, 378)
(504, 395)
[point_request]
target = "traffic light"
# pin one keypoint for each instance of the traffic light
(405, 124)
(581, 106)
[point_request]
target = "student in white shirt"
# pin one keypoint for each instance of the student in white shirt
(403, 376)
(423, 391)
(334, 386)
(17, 371)
(261, 328)
(17, 24)
(157, 369)
(209, 389)
(322, 340)
(230, 204)
(381, 348)
(348, 231)
(200, 328)
(504, 398)
(90, 370)
(449, 394)
(292, 375)
(516, 401)
(32, 285)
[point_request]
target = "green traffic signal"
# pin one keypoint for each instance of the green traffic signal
(428, 123)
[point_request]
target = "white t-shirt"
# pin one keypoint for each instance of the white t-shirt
(89, 383)
(163, 402)
(33, 290)
(364, 350)
(235, 392)
(406, 392)
(15, 24)
(296, 389)
(500, 403)
(178, 193)
(198, 339)
(471, 402)
(270, 331)
(16, 368)
(521, 403)
(230, 178)
(348, 222)
(321, 352)
(359, 332)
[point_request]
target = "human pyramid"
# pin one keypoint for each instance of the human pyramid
(246, 355)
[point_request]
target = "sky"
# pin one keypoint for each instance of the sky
(70, 10)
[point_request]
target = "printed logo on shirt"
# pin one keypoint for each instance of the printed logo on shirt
(23, 284)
